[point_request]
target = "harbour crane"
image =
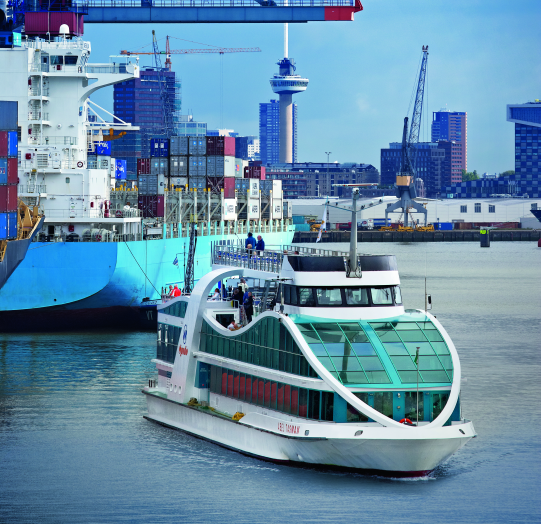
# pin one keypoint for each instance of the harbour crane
(405, 179)
(168, 51)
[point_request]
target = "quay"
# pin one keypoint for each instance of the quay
(458, 235)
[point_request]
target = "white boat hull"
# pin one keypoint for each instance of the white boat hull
(380, 450)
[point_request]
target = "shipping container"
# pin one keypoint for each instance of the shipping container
(47, 23)
(143, 166)
(211, 165)
(3, 226)
(3, 199)
(3, 144)
(103, 148)
(3, 170)
(12, 144)
(13, 175)
(220, 146)
(197, 146)
(8, 116)
(12, 225)
(151, 206)
(302, 227)
(229, 187)
(159, 166)
(178, 165)
(159, 147)
(380, 222)
(241, 184)
(178, 146)
(443, 226)
(197, 166)
(175, 182)
(255, 172)
(198, 183)
(12, 198)
(299, 219)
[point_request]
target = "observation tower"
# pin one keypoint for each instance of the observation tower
(286, 83)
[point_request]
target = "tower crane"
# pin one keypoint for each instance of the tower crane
(168, 51)
(405, 179)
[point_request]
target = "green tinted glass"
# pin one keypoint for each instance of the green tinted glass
(353, 377)
(412, 335)
(346, 364)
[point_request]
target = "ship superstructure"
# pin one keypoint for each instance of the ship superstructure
(98, 258)
(332, 370)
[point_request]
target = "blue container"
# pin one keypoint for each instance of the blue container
(8, 116)
(381, 222)
(302, 227)
(159, 147)
(12, 144)
(3, 226)
(12, 225)
(445, 226)
(299, 219)
(103, 148)
(3, 170)
(120, 169)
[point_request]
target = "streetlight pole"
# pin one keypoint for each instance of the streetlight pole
(328, 153)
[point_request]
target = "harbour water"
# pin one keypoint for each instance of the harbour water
(74, 446)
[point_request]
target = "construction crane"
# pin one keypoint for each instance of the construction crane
(405, 179)
(164, 96)
(168, 51)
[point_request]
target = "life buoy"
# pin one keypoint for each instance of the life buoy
(118, 214)
(406, 421)
(97, 238)
(80, 164)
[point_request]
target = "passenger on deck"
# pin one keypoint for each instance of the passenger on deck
(249, 242)
(176, 291)
(216, 295)
(249, 306)
(171, 292)
(237, 297)
(243, 285)
(233, 326)
(260, 246)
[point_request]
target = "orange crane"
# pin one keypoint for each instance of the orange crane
(168, 51)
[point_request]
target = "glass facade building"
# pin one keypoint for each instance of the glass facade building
(269, 132)
(452, 127)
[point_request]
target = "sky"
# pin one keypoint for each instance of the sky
(483, 55)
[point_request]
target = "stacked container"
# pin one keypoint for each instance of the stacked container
(151, 206)
(159, 147)
(8, 170)
(255, 172)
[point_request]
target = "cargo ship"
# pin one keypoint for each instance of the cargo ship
(18, 223)
(107, 250)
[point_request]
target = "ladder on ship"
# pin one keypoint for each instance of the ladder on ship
(189, 271)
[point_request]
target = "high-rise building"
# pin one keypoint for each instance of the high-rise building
(432, 163)
(269, 132)
(139, 102)
(527, 119)
(452, 127)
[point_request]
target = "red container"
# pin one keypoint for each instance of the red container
(160, 206)
(229, 146)
(3, 143)
(262, 173)
(12, 198)
(42, 23)
(13, 177)
(151, 206)
(3, 199)
(143, 166)
(229, 187)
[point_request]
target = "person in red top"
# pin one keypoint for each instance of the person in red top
(177, 292)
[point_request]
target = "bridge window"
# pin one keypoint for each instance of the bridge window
(178, 309)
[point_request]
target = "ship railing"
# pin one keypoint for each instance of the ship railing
(268, 261)
(218, 3)
(109, 68)
(65, 44)
(36, 91)
(60, 140)
(93, 213)
(38, 115)
(34, 188)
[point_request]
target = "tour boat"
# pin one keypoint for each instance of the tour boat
(332, 371)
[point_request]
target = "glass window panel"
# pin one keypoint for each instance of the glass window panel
(224, 381)
(433, 335)
(358, 337)
(412, 335)
(383, 402)
(352, 327)
(329, 296)
(327, 405)
(248, 392)
(397, 295)
(335, 375)
(382, 296)
(409, 377)
(236, 379)
(425, 349)
(318, 349)
(306, 297)
(355, 416)
(255, 386)
(274, 388)
(363, 349)
(353, 377)
(313, 404)
(303, 402)
(311, 337)
(280, 397)
(410, 405)
(295, 364)
(242, 386)
(331, 335)
(305, 367)
(450, 373)
(357, 296)
(371, 363)
(377, 377)
(260, 392)
(404, 326)
(403, 363)
(287, 398)
(230, 376)
(304, 327)
(268, 386)
(338, 349)
(395, 348)
(440, 348)
(429, 363)
(385, 332)
(293, 295)
(435, 376)
(438, 403)
(326, 361)
(346, 364)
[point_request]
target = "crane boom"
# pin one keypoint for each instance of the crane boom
(418, 107)
(166, 102)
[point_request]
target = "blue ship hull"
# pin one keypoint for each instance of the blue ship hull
(65, 285)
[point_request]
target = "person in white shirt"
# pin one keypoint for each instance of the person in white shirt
(233, 326)
(243, 285)
(216, 295)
